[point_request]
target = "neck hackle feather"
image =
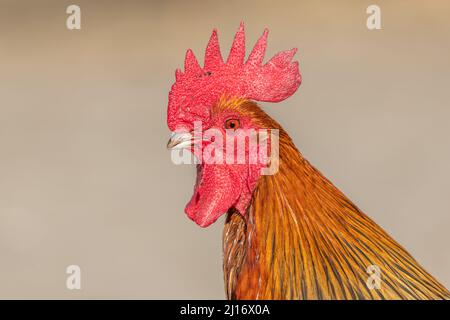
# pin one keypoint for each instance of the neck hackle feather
(303, 239)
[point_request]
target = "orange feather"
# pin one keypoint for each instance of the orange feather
(303, 239)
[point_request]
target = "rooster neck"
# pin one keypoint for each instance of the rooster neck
(303, 239)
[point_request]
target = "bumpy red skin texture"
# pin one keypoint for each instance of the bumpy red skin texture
(222, 186)
(195, 92)
(197, 89)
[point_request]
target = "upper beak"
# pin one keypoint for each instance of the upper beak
(180, 140)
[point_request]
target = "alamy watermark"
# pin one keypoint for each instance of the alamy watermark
(374, 280)
(73, 281)
(73, 21)
(374, 20)
(238, 146)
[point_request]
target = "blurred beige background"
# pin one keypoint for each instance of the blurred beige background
(84, 174)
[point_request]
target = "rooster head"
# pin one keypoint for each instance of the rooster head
(212, 108)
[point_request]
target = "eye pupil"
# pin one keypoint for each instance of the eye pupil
(232, 124)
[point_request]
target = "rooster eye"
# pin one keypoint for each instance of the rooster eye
(232, 124)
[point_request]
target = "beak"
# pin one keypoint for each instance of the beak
(180, 140)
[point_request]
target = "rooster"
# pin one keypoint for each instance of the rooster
(291, 234)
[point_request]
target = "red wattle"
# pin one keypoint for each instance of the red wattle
(216, 191)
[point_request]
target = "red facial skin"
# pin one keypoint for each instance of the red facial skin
(192, 97)
(220, 187)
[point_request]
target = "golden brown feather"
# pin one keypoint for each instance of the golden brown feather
(303, 239)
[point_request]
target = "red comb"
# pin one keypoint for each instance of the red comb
(197, 89)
